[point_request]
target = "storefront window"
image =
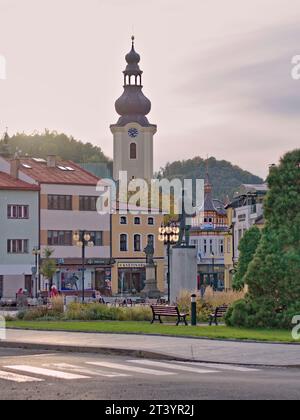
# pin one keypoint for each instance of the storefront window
(131, 280)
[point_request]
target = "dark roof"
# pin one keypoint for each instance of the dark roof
(133, 106)
(7, 182)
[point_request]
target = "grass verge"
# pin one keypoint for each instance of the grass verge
(221, 332)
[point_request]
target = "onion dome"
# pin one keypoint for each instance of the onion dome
(133, 106)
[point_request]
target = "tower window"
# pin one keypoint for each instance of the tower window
(133, 151)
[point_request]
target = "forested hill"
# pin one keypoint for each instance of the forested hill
(225, 177)
(52, 143)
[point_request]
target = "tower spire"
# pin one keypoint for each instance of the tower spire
(133, 106)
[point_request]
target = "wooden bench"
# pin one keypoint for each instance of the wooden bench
(159, 311)
(219, 313)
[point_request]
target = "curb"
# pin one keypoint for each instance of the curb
(142, 354)
(222, 340)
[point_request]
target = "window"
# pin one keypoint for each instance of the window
(150, 221)
(205, 246)
(59, 202)
(151, 240)
(17, 212)
(87, 203)
(137, 243)
(60, 238)
(133, 151)
(221, 247)
(211, 250)
(123, 220)
(123, 243)
(96, 237)
(137, 220)
(17, 246)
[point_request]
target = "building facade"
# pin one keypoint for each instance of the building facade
(67, 205)
(209, 227)
(19, 231)
(245, 211)
(131, 233)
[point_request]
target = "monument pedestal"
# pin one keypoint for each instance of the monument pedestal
(184, 271)
(150, 290)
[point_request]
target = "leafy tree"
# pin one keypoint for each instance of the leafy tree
(41, 145)
(247, 248)
(48, 268)
(273, 276)
(225, 177)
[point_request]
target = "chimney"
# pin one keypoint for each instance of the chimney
(51, 161)
(14, 167)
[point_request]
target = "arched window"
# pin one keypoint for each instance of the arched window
(133, 151)
(137, 243)
(123, 243)
(151, 240)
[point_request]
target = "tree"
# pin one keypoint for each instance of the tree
(40, 145)
(273, 276)
(48, 268)
(247, 248)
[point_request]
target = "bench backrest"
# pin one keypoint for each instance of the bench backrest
(222, 309)
(165, 310)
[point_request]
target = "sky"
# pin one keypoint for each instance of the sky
(218, 73)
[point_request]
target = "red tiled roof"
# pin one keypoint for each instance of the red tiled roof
(43, 174)
(7, 182)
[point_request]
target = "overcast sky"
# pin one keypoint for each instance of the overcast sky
(218, 73)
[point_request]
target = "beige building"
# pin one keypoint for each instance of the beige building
(130, 236)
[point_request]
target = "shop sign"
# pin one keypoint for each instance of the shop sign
(131, 265)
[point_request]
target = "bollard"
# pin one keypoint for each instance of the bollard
(194, 310)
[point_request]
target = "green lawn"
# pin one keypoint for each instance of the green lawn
(221, 332)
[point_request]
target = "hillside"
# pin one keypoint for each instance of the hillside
(52, 143)
(225, 177)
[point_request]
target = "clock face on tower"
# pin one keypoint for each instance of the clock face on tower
(133, 132)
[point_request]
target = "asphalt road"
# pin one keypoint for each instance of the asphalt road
(29, 375)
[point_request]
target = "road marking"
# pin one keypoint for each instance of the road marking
(172, 366)
(130, 368)
(46, 372)
(222, 367)
(73, 368)
(13, 377)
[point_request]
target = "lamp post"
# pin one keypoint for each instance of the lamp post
(83, 240)
(36, 252)
(169, 234)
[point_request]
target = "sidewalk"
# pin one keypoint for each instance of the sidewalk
(225, 352)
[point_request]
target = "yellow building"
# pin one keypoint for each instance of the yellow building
(130, 236)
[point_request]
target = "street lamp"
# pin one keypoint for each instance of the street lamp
(83, 240)
(169, 234)
(36, 252)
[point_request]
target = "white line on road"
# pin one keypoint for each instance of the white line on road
(73, 368)
(13, 377)
(46, 372)
(221, 367)
(172, 366)
(130, 368)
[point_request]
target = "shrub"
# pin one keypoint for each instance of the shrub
(210, 301)
(98, 312)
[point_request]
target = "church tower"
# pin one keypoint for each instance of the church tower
(133, 134)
